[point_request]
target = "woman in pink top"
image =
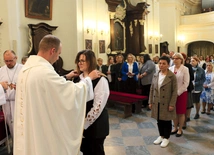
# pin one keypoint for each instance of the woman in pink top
(182, 75)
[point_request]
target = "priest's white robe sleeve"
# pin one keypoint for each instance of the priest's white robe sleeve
(90, 93)
(101, 93)
(2, 96)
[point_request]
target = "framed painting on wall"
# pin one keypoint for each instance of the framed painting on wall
(38, 9)
(150, 48)
(178, 49)
(118, 41)
(88, 44)
(102, 46)
(156, 49)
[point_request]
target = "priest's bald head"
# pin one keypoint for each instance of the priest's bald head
(10, 58)
(50, 48)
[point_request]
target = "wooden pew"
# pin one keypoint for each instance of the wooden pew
(126, 100)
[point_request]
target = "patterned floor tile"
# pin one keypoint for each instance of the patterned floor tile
(114, 141)
(131, 133)
(137, 150)
(135, 136)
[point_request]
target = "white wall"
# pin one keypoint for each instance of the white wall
(198, 27)
(168, 23)
(70, 16)
(96, 16)
(5, 38)
(67, 15)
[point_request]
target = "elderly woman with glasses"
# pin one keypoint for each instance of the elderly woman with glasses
(182, 75)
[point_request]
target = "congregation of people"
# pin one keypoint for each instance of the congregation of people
(70, 110)
(174, 84)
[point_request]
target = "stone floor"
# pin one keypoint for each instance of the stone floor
(135, 135)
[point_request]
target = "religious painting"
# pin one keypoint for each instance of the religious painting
(102, 46)
(118, 35)
(156, 49)
(88, 44)
(38, 9)
(150, 48)
(118, 43)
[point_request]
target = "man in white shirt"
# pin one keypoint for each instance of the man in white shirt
(50, 111)
(9, 73)
(171, 53)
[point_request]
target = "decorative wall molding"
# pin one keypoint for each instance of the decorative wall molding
(127, 26)
(36, 33)
(194, 2)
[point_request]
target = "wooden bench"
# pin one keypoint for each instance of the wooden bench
(126, 100)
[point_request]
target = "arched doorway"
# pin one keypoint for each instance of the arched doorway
(199, 48)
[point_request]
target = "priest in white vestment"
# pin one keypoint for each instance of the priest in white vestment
(9, 73)
(50, 111)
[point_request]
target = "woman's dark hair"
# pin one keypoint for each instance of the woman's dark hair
(146, 57)
(165, 58)
(90, 60)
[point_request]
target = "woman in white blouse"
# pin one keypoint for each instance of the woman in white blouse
(182, 75)
(110, 72)
(96, 126)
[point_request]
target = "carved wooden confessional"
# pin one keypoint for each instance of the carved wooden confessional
(36, 33)
(127, 26)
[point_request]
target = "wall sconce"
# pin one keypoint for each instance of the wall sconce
(90, 26)
(103, 28)
(160, 37)
(104, 32)
(156, 36)
(150, 34)
(180, 40)
(90, 31)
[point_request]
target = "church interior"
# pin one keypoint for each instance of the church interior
(109, 27)
(157, 26)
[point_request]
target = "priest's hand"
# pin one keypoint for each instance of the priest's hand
(4, 85)
(13, 86)
(71, 75)
(94, 74)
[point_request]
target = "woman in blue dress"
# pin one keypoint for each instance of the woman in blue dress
(207, 95)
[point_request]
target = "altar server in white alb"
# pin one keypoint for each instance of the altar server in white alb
(50, 111)
(9, 73)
